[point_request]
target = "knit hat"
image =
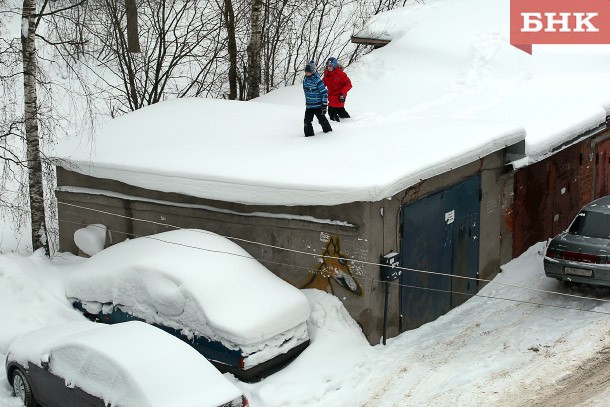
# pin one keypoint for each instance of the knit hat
(311, 67)
(333, 61)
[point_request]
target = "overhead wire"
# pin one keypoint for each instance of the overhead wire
(357, 261)
(361, 278)
(364, 279)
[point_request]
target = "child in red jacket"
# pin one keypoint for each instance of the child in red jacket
(338, 85)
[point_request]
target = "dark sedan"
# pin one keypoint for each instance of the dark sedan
(133, 364)
(581, 254)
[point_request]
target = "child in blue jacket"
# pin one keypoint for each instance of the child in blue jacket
(316, 99)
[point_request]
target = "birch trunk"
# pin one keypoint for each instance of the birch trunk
(36, 190)
(133, 36)
(254, 50)
(232, 48)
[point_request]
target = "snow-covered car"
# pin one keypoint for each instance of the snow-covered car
(81, 364)
(202, 288)
(581, 254)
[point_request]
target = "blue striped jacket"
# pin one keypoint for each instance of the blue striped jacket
(316, 94)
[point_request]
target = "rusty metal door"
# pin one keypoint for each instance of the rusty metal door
(533, 208)
(566, 187)
(602, 168)
(440, 241)
(547, 197)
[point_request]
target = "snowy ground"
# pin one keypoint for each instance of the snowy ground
(485, 352)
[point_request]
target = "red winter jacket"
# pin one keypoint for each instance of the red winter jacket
(337, 83)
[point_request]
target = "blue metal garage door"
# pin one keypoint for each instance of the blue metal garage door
(440, 233)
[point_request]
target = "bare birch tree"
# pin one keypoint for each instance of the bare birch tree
(229, 16)
(29, 22)
(133, 36)
(182, 51)
(26, 175)
(254, 49)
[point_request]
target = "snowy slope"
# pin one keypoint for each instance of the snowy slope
(453, 59)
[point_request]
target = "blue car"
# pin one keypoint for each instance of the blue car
(203, 289)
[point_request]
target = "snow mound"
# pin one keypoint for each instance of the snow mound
(129, 364)
(91, 239)
(329, 315)
(195, 281)
(32, 294)
(335, 359)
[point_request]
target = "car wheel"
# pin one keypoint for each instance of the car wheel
(22, 389)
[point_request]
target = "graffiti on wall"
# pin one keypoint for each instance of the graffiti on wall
(333, 270)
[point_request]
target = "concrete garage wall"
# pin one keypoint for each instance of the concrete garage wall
(366, 230)
(355, 284)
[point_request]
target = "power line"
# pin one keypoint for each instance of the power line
(363, 279)
(151, 237)
(505, 299)
(364, 262)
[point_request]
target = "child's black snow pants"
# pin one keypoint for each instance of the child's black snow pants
(309, 113)
(337, 112)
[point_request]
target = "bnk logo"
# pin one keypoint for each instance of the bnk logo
(559, 22)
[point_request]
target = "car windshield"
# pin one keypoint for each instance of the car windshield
(592, 224)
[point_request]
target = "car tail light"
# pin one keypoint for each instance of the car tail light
(240, 362)
(582, 257)
(574, 256)
(244, 401)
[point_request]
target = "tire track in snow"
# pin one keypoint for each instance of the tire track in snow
(433, 355)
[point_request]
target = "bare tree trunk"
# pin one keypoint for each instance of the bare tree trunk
(36, 190)
(133, 37)
(232, 48)
(254, 50)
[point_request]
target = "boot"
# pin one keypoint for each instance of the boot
(332, 114)
(325, 126)
(343, 113)
(308, 130)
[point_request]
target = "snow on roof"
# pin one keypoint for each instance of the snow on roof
(130, 364)
(255, 153)
(448, 89)
(193, 280)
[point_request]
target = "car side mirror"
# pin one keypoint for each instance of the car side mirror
(44, 361)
